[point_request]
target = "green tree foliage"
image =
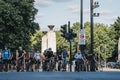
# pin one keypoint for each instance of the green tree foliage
(116, 32)
(36, 40)
(17, 22)
(87, 36)
(61, 42)
(117, 28)
(75, 27)
(104, 41)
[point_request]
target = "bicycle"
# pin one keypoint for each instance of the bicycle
(79, 65)
(37, 65)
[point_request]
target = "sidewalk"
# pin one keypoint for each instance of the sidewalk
(110, 69)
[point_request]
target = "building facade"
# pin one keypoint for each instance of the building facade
(49, 40)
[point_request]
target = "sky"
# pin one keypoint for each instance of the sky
(59, 12)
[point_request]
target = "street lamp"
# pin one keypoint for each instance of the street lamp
(93, 5)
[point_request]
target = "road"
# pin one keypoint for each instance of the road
(60, 76)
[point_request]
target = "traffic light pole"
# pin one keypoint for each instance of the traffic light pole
(70, 47)
(81, 14)
(68, 35)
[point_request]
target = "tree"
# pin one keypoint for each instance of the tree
(117, 28)
(103, 39)
(104, 43)
(17, 22)
(75, 27)
(61, 42)
(116, 35)
(36, 40)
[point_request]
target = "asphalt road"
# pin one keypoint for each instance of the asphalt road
(60, 76)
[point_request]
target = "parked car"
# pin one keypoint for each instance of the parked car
(117, 65)
(102, 63)
(111, 64)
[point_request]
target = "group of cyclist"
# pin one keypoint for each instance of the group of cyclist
(22, 61)
(35, 61)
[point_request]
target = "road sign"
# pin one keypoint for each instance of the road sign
(82, 37)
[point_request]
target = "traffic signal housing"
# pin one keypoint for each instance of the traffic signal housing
(72, 34)
(64, 30)
(67, 33)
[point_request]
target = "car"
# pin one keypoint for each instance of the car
(102, 63)
(111, 64)
(117, 65)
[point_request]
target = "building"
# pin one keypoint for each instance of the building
(49, 39)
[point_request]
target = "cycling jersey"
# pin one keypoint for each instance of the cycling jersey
(27, 56)
(20, 53)
(49, 54)
(64, 54)
(78, 56)
(37, 56)
(6, 54)
(59, 57)
(0, 55)
(32, 53)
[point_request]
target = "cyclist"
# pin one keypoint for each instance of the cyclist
(32, 59)
(20, 59)
(1, 61)
(55, 61)
(49, 56)
(49, 53)
(27, 61)
(64, 55)
(38, 60)
(6, 58)
(79, 61)
(44, 62)
(64, 59)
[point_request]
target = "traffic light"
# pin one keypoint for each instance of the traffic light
(68, 33)
(72, 34)
(64, 30)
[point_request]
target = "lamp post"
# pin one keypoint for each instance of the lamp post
(93, 5)
(91, 26)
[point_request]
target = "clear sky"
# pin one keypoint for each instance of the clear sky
(59, 12)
